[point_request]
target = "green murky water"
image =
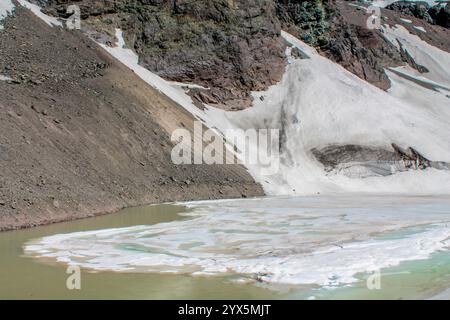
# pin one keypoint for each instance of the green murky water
(23, 277)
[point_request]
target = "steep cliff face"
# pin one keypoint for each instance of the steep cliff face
(232, 47)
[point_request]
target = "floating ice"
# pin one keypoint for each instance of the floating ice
(306, 240)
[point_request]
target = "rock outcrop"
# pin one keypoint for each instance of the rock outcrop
(232, 47)
(339, 31)
(309, 20)
(439, 14)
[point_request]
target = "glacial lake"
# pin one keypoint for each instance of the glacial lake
(316, 247)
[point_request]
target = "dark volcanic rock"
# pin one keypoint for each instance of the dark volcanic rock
(234, 47)
(332, 156)
(441, 15)
(363, 52)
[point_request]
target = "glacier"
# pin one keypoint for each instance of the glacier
(318, 104)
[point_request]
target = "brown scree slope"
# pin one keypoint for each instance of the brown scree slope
(81, 135)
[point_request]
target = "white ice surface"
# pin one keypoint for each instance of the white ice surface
(276, 240)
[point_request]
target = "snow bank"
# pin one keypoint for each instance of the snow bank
(51, 21)
(420, 28)
(406, 20)
(6, 8)
(385, 3)
(318, 103)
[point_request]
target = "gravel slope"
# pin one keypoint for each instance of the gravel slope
(81, 135)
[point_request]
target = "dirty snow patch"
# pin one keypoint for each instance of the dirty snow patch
(51, 21)
(418, 28)
(6, 8)
(284, 240)
(4, 78)
(385, 3)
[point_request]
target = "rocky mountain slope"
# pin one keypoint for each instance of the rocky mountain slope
(80, 134)
(233, 47)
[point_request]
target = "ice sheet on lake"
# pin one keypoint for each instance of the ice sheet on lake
(51, 21)
(306, 240)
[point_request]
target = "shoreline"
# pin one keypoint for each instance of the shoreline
(12, 222)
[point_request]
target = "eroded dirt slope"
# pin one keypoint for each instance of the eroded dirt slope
(80, 134)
